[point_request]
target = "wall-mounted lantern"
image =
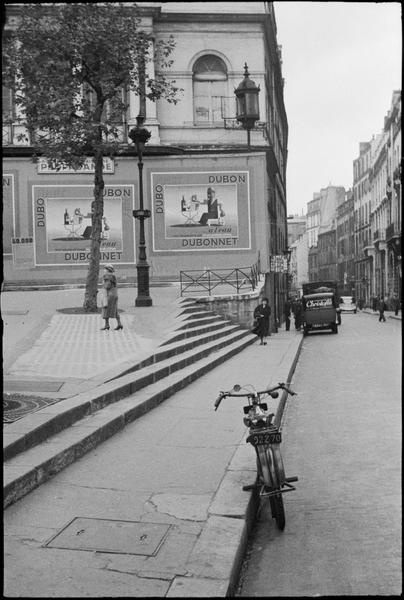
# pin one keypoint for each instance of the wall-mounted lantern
(247, 103)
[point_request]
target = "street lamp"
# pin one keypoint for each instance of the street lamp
(140, 136)
(247, 103)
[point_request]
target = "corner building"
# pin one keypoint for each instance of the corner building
(197, 149)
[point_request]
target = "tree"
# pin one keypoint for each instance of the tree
(69, 67)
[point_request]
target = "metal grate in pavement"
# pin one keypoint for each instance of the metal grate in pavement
(110, 535)
(16, 406)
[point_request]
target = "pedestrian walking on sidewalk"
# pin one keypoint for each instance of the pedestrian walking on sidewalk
(110, 298)
(261, 315)
(382, 307)
(286, 311)
(297, 312)
(396, 304)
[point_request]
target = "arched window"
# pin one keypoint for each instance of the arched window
(210, 86)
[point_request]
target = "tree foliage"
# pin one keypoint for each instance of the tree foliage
(70, 67)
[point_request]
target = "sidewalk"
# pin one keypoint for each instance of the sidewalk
(158, 509)
(388, 313)
(42, 345)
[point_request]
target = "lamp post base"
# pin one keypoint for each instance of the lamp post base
(143, 297)
(143, 301)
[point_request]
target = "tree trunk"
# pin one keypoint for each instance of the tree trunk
(97, 210)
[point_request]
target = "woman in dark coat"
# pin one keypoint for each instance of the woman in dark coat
(110, 300)
(262, 314)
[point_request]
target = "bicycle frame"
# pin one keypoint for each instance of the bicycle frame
(266, 439)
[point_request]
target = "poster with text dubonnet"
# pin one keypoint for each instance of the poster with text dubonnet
(201, 211)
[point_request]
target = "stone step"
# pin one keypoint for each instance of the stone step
(38, 427)
(191, 331)
(33, 466)
(202, 320)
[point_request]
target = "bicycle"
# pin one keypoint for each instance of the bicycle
(266, 438)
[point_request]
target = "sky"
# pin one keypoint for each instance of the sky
(341, 62)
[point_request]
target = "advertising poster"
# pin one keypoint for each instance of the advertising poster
(62, 224)
(201, 211)
(8, 212)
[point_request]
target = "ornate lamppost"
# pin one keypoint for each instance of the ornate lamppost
(247, 103)
(140, 136)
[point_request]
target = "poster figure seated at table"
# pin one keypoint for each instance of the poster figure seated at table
(215, 212)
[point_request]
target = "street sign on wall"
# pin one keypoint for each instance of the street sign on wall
(278, 264)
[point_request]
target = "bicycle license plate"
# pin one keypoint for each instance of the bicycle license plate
(257, 439)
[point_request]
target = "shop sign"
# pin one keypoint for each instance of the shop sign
(278, 264)
(63, 224)
(201, 211)
(50, 166)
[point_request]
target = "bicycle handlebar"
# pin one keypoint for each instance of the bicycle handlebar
(280, 386)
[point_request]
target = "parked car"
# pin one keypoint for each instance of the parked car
(347, 304)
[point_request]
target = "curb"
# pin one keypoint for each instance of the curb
(231, 516)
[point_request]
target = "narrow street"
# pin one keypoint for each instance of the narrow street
(342, 437)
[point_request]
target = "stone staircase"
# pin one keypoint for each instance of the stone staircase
(72, 427)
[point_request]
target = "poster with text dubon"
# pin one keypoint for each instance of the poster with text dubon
(198, 210)
(63, 224)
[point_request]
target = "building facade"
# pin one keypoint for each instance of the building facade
(297, 225)
(363, 240)
(321, 215)
(378, 211)
(327, 253)
(197, 149)
(392, 127)
(299, 267)
(345, 252)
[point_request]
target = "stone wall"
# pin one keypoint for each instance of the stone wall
(237, 308)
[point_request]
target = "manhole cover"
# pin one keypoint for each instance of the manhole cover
(108, 535)
(16, 406)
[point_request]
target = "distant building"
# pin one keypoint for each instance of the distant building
(327, 252)
(346, 246)
(296, 226)
(364, 249)
(299, 266)
(321, 212)
(392, 126)
(313, 264)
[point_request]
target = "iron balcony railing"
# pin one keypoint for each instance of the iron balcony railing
(392, 230)
(207, 280)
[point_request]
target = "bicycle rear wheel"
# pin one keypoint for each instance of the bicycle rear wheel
(278, 511)
(272, 476)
